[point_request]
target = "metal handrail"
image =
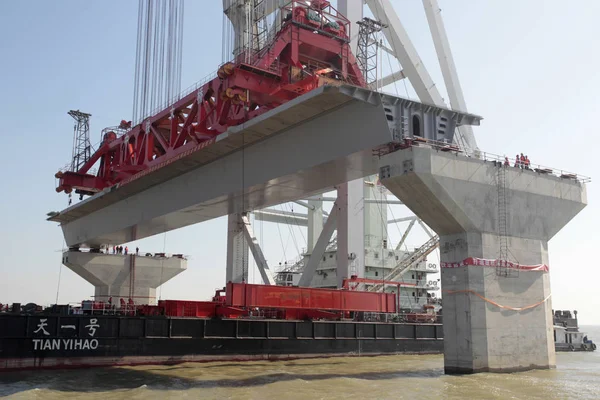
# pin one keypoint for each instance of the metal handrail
(486, 156)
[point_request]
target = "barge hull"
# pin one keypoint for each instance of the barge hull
(166, 340)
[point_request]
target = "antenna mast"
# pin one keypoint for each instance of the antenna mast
(366, 52)
(82, 149)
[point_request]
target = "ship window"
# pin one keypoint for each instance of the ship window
(416, 126)
(396, 257)
(376, 255)
(324, 258)
(331, 256)
(413, 294)
(376, 273)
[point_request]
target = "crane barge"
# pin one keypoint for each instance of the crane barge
(242, 321)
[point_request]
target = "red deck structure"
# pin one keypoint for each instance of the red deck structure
(311, 50)
(281, 302)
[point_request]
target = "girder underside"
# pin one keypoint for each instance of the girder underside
(323, 151)
(306, 146)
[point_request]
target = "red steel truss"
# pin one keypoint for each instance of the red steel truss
(310, 50)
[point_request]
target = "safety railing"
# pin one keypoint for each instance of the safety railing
(323, 18)
(500, 160)
(67, 168)
(132, 252)
(403, 317)
(410, 283)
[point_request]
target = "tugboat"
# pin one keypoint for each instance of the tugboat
(567, 336)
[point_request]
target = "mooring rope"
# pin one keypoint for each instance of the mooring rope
(496, 304)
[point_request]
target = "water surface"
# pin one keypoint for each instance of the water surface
(577, 376)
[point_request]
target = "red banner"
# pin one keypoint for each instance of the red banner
(493, 263)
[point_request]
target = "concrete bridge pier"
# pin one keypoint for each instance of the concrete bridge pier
(497, 316)
(124, 276)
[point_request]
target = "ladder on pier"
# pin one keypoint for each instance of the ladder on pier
(502, 269)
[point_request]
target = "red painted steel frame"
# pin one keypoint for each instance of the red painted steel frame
(285, 297)
(304, 55)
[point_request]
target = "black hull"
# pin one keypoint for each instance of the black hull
(70, 341)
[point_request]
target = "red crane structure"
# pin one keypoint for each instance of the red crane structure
(311, 49)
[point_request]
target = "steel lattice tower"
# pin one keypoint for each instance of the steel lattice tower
(82, 149)
(366, 52)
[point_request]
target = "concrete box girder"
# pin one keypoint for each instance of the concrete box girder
(325, 137)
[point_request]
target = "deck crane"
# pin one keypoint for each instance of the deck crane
(310, 50)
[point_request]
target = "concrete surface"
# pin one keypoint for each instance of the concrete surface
(111, 274)
(457, 196)
(326, 137)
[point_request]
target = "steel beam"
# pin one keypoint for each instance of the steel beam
(259, 257)
(304, 204)
(236, 269)
(403, 239)
(281, 217)
(404, 219)
(353, 10)
(444, 54)
(406, 52)
(314, 223)
(425, 228)
(389, 79)
(319, 249)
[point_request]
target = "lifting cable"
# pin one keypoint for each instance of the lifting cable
(281, 240)
(162, 264)
(63, 244)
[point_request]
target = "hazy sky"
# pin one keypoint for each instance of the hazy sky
(530, 68)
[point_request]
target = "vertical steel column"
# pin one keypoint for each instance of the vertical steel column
(350, 230)
(353, 10)
(237, 249)
(351, 220)
(442, 48)
(314, 222)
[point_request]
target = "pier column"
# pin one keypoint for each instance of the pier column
(484, 211)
